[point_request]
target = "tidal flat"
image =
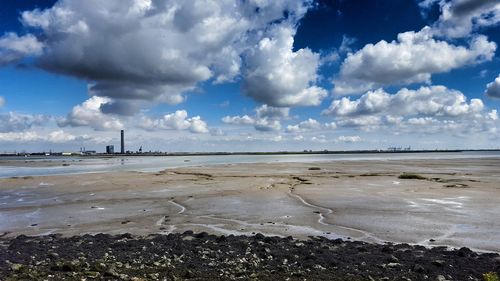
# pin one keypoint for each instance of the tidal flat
(452, 202)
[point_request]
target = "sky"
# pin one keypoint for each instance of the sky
(249, 75)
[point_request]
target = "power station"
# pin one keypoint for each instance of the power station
(122, 151)
(110, 149)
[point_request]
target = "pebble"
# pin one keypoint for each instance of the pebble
(185, 256)
(393, 264)
(16, 267)
(438, 262)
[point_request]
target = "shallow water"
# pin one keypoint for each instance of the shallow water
(80, 165)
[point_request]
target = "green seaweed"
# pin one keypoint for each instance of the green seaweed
(491, 276)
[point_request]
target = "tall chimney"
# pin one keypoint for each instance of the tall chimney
(123, 142)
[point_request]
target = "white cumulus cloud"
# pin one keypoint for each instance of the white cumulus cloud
(89, 114)
(278, 76)
(60, 137)
(187, 42)
(430, 109)
(412, 58)
(307, 125)
(267, 118)
(493, 88)
(239, 120)
(459, 18)
(433, 100)
(175, 121)
(348, 139)
(14, 47)
(19, 137)
(17, 122)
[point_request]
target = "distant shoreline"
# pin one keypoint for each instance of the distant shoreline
(319, 152)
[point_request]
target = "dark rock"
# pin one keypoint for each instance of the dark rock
(438, 262)
(112, 273)
(464, 252)
(259, 236)
(362, 249)
(393, 259)
(418, 268)
(207, 257)
(201, 235)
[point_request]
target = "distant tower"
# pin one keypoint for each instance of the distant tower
(123, 142)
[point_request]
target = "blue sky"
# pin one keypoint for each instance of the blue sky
(249, 75)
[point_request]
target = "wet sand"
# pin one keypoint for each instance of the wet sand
(457, 205)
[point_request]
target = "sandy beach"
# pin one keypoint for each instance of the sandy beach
(456, 205)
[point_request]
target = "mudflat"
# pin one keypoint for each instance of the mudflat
(454, 202)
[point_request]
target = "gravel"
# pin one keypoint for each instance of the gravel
(200, 256)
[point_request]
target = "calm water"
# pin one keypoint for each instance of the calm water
(158, 163)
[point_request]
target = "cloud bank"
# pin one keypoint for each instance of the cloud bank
(16, 122)
(412, 58)
(175, 121)
(428, 109)
(267, 118)
(187, 42)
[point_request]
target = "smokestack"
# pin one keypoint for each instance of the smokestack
(123, 142)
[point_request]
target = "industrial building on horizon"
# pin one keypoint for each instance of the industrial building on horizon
(110, 149)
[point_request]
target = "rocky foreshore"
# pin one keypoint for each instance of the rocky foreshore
(201, 256)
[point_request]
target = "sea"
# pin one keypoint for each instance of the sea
(60, 165)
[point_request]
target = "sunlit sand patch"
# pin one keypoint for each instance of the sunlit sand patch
(446, 201)
(161, 190)
(412, 204)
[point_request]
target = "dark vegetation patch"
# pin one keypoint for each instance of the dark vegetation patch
(370, 175)
(410, 176)
(24, 178)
